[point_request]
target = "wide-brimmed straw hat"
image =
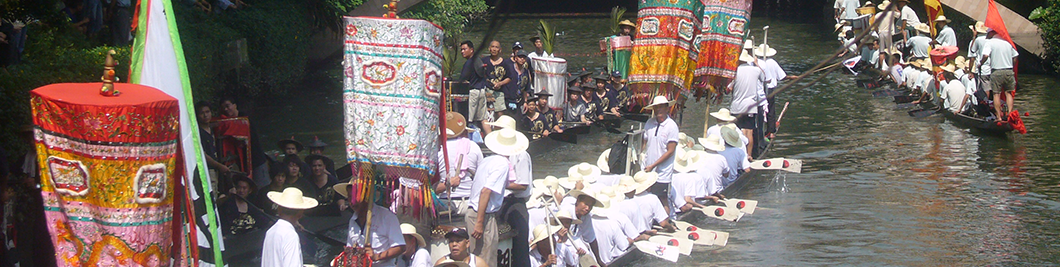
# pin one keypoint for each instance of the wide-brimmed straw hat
(506, 142)
(504, 122)
(452, 263)
(584, 170)
(923, 28)
(883, 6)
(745, 57)
(625, 185)
(961, 62)
(689, 160)
(576, 193)
(659, 100)
(942, 18)
(723, 114)
(763, 50)
(949, 67)
(627, 23)
(565, 214)
(408, 229)
(979, 27)
(292, 198)
(542, 232)
(867, 4)
(547, 186)
(455, 124)
(731, 136)
(712, 143)
(283, 143)
(747, 44)
(601, 161)
(645, 180)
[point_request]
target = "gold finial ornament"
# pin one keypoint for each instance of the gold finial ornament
(391, 9)
(108, 76)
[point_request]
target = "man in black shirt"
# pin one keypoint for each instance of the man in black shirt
(474, 73)
(209, 148)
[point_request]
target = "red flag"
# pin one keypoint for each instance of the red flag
(994, 21)
(934, 10)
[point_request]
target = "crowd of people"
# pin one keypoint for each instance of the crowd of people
(899, 50)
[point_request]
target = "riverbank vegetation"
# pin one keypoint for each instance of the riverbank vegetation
(1047, 17)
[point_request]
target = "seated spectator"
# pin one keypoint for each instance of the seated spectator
(237, 215)
(416, 254)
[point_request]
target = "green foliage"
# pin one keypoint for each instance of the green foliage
(616, 16)
(53, 55)
(455, 17)
(1047, 18)
(43, 10)
(548, 35)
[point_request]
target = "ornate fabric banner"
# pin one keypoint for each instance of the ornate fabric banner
(550, 75)
(392, 99)
(619, 51)
(663, 58)
(720, 41)
(108, 174)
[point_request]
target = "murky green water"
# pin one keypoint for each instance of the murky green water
(878, 187)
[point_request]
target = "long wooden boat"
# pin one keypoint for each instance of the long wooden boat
(983, 125)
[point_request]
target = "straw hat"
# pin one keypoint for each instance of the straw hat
(565, 214)
(961, 62)
(292, 198)
(923, 28)
(659, 100)
(883, 5)
(625, 185)
(942, 18)
(723, 114)
(504, 122)
(627, 23)
(763, 50)
(867, 4)
(601, 161)
(747, 44)
(645, 180)
(603, 206)
(948, 68)
(683, 139)
(542, 231)
(596, 198)
(745, 57)
(547, 185)
(452, 263)
(507, 142)
(583, 172)
(283, 143)
(571, 182)
(689, 160)
(712, 143)
(979, 27)
(317, 143)
(408, 229)
(455, 124)
(731, 136)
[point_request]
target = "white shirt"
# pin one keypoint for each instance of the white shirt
(926, 82)
(281, 247)
(658, 136)
(736, 157)
(920, 46)
(774, 73)
(611, 242)
(969, 86)
(521, 173)
(543, 54)
(714, 167)
(566, 255)
(910, 77)
(716, 130)
(909, 16)
(953, 94)
(886, 19)
(1000, 53)
(421, 258)
(850, 8)
(745, 89)
(896, 73)
(583, 231)
(493, 175)
(974, 49)
(946, 37)
(385, 233)
(647, 209)
(472, 156)
(685, 185)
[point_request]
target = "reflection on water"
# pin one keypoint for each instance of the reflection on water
(878, 187)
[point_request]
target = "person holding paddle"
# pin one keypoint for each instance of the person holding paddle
(281, 247)
(460, 159)
(387, 241)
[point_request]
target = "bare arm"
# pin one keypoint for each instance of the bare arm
(516, 187)
(483, 199)
(390, 253)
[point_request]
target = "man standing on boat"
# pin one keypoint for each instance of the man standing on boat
(849, 9)
(980, 72)
(886, 29)
(474, 72)
(462, 153)
(281, 247)
(387, 241)
(744, 89)
(539, 49)
(920, 44)
(946, 36)
(774, 74)
(513, 208)
(1000, 55)
(659, 145)
(487, 191)
(497, 70)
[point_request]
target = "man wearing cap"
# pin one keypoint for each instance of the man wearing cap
(317, 148)
(921, 43)
(513, 91)
(1000, 55)
(474, 72)
(539, 48)
(551, 121)
(774, 74)
(463, 154)
(620, 95)
(387, 241)
(576, 107)
(945, 37)
(281, 246)
(487, 190)
(536, 123)
(416, 254)
(908, 16)
(660, 144)
(886, 30)
(749, 79)
(582, 203)
(459, 241)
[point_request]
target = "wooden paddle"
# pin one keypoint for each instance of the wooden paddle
(783, 164)
(721, 213)
(744, 205)
(920, 113)
(720, 238)
(665, 252)
(683, 245)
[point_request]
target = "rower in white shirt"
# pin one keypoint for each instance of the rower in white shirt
(281, 247)
(387, 242)
(416, 254)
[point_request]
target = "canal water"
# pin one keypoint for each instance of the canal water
(878, 187)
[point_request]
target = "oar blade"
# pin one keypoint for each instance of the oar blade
(661, 251)
(744, 205)
(683, 245)
(788, 165)
(721, 213)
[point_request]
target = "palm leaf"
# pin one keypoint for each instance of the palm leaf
(616, 16)
(548, 35)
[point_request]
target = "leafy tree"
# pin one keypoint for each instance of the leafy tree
(1047, 18)
(456, 17)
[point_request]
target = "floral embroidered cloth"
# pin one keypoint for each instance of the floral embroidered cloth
(391, 96)
(720, 41)
(107, 172)
(551, 77)
(663, 58)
